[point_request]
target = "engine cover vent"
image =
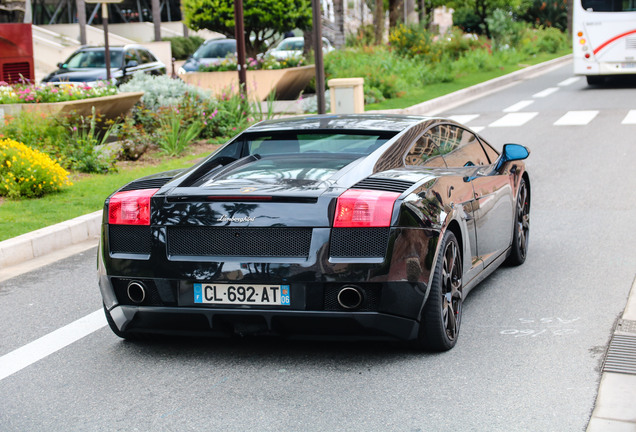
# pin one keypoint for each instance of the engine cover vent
(146, 184)
(384, 184)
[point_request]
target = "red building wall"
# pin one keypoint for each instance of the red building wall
(16, 53)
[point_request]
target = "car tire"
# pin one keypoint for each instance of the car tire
(520, 237)
(442, 313)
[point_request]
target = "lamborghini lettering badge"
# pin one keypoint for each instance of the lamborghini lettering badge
(225, 218)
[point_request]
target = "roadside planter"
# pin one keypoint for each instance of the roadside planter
(110, 107)
(287, 83)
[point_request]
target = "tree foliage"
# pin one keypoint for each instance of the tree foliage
(483, 9)
(263, 19)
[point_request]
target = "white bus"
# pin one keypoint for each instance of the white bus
(604, 38)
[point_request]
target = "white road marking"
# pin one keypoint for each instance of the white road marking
(48, 344)
(464, 118)
(514, 119)
(576, 118)
(569, 81)
(630, 118)
(519, 106)
(546, 92)
(478, 129)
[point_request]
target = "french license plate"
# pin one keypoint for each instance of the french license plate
(236, 294)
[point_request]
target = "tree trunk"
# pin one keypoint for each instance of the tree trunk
(396, 8)
(339, 36)
(81, 19)
(156, 19)
(378, 21)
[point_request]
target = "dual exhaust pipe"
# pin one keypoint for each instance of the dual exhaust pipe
(136, 292)
(350, 297)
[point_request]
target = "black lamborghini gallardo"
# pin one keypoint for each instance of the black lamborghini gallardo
(320, 226)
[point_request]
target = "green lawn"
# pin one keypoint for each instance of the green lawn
(89, 191)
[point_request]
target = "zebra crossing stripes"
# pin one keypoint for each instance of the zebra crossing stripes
(546, 92)
(569, 81)
(630, 118)
(519, 106)
(514, 119)
(463, 118)
(576, 118)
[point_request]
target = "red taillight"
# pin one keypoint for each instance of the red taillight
(130, 207)
(364, 208)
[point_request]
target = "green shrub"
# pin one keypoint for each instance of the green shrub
(466, 19)
(87, 147)
(364, 36)
(134, 140)
(414, 41)
(35, 130)
(382, 70)
(544, 13)
(184, 47)
(506, 33)
(161, 91)
(175, 133)
(549, 40)
(25, 172)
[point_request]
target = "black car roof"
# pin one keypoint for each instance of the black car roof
(368, 122)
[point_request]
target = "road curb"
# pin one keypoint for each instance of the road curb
(43, 241)
(49, 239)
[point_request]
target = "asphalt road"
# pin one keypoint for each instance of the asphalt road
(529, 354)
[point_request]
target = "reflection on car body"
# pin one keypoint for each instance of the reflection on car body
(372, 225)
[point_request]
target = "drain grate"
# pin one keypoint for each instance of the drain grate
(621, 355)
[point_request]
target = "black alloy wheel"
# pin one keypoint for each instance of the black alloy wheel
(519, 248)
(442, 314)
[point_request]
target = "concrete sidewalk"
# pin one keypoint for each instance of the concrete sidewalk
(615, 408)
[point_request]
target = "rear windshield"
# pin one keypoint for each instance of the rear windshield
(355, 143)
(609, 5)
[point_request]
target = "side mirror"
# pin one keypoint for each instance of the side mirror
(132, 63)
(512, 152)
(60, 65)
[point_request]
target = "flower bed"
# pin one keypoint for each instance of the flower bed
(29, 93)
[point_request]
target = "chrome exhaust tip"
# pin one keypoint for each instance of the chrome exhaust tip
(136, 292)
(350, 297)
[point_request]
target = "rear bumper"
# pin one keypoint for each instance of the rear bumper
(286, 323)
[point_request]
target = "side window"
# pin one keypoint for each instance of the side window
(131, 55)
(491, 152)
(145, 56)
(425, 151)
(462, 148)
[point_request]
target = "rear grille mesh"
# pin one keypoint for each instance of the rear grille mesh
(131, 239)
(359, 242)
(226, 241)
(384, 184)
